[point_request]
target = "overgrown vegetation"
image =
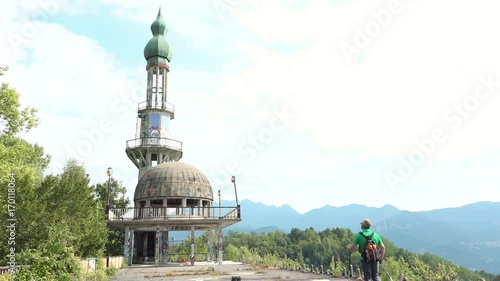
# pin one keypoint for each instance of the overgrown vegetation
(303, 249)
(59, 219)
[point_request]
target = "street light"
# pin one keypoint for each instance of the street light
(219, 203)
(109, 172)
(233, 180)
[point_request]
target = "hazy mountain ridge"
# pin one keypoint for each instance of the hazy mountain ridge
(465, 235)
(418, 233)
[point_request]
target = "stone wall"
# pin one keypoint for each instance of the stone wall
(90, 264)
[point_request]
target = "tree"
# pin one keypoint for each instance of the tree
(52, 259)
(12, 117)
(22, 164)
(69, 200)
(117, 199)
(232, 253)
(117, 194)
(57, 218)
(328, 248)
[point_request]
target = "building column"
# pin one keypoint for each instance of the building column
(210, 209)
(131, 248)
(126, 244)
(184, 204)
(164, 246)
(192, 245)
(157, 85)
(145, 246)
(157, 246)
(150, 86)
(164, 90)
(209, 245)
(219, 244)
(206, 209)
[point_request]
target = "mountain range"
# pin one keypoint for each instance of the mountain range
(467, 235)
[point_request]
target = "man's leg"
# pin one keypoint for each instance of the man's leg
(375, 271)
(367, 270)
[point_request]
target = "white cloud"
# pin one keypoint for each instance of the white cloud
(417, 68)
(74, 82)
(351, 121)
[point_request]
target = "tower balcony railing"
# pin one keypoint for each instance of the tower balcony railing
(156, 105)
(166, 213)
(154, 141)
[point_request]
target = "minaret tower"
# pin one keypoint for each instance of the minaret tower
(152, 145)
(170, 195)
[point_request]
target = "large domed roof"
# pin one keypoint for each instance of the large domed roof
(173, 179)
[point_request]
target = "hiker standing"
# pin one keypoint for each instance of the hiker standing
(370, 264)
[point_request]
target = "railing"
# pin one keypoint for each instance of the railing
(146, 213)
(155, 141)
(156, 105)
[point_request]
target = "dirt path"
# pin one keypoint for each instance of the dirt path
(203, 271)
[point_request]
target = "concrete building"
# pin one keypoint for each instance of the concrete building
(170, 195)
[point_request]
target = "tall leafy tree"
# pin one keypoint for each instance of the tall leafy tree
(23, 165)
(117, 194)
(13, 118)
(117, 199)
(57, 219)
(71, 200)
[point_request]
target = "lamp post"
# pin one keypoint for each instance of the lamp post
(233, 180)
(219, 203)
(109, 172)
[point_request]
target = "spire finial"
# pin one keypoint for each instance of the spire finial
(159, 27)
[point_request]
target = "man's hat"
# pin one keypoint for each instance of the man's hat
(366, 223)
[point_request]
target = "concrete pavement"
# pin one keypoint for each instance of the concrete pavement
(203, 271)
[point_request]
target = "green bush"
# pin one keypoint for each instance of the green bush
(336, 267)
(98, 275)
(124, 264)
(111, 271)
(53, 259)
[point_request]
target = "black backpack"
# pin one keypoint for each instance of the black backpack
(371, 253)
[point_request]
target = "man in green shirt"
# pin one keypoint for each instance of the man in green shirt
(370, 269)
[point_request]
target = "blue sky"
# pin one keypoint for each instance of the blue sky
(316, 102)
